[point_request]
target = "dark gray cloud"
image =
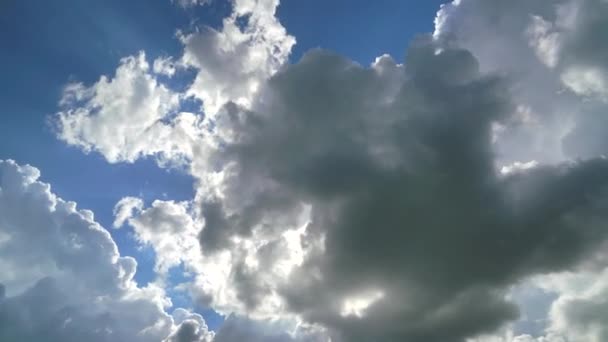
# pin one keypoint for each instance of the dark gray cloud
(405, 194)
(583, 53)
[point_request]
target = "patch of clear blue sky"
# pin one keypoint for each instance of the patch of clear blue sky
(359, 29)
(46, 44)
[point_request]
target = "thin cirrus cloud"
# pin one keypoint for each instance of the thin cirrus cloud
(333, 201)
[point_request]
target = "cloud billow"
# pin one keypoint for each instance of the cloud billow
(395, 202)
(406, 197)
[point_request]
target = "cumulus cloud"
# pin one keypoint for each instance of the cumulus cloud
(120, 117)
(554, 52)
(166, 226)
(129, 116)
(582, 314)
(233, 63)
(405, 196)
(192, 328)
(390, 202)
(63, 278)
(393, 181)
(133, 114)
(577, 313)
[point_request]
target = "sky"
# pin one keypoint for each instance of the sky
(291, 171)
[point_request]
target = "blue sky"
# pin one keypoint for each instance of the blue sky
(50, 43)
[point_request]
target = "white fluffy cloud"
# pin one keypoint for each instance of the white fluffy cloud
(129, 116)
(133, 114)
(166, 226)
(120, 117)
(173, 230)
(233, 63)
(63, 278)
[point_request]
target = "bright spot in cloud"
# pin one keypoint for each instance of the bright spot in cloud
(357, 305)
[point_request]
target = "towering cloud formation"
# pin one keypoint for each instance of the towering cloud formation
(395, 202)
(413, 234)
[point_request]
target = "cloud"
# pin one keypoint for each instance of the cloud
(119, 117)
(396, 176)
(577, 312)
(166, 226)
(583, 315)
(63, 278)
(125, 208)
(192, 328)
(375, 203)
(240, 329)
(129, 116)
(554, 51)
(582, 50)
(233, 63)
(393, 179)
(134, 114)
